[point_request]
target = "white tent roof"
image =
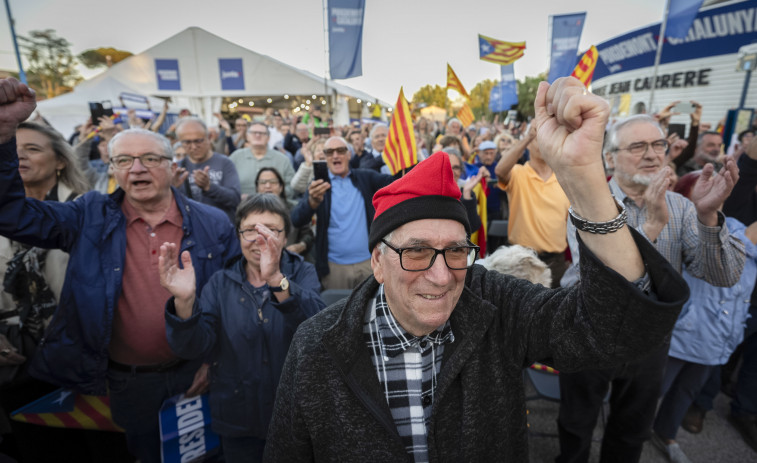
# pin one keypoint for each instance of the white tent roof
(196, 54)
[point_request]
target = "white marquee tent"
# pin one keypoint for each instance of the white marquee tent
(197, 70)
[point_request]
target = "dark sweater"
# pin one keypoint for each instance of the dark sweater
(331, 407)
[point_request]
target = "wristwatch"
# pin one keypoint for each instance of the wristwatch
(283, 286)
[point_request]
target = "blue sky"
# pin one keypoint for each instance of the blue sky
(405, 42)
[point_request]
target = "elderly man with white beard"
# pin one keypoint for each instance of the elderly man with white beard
(691, 233)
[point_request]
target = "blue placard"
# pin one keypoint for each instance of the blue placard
(346, 38)
(167, 72)
(232, 74)
(505, 93)
(717, 31)
(185, 430)
(566, 33)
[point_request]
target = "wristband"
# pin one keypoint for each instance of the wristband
(601, 228)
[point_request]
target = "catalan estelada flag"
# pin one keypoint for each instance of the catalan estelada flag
(479, 236)
(584, 70)
(67, 409)
(454, 83)
(465, 115)
(497, 51)
(399, 152)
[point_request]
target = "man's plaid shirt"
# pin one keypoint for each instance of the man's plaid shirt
(407, 367)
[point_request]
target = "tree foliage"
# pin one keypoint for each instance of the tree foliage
(527, 94)
(431, 95)
(51, 65)
(98, 57)
(479, 99)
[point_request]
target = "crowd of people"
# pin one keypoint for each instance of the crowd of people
(142, 265)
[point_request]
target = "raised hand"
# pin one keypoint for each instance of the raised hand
(270, 243)
(316, 191)
(180, 282)
(654, 198)
(178, 177)
(202, 178)
(711, 190)
(17, 103)
(570, 125)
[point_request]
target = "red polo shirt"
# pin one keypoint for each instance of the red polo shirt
(139, 326)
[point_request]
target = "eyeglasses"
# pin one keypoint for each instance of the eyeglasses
(457, 168)
(330, 151)
(640, 148)
(420, 258)
(259, 134)
(272, 181)
(197, 141)
(148, 160)
(251, 234)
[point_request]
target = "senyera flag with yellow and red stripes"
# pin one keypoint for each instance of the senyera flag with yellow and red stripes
(67, 409)
(400, 152)
(584, 70)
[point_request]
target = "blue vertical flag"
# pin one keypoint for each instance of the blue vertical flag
(167, 72)
(346, 38)
(681, 14)
(566, 33)
(505, 93)
(232, 73)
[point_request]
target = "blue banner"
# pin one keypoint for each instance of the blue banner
(185, 430)
(167, 71)
(505, 93)
(232, 75)
(717, 31)
(680, 16)
(566, 33)
(346, 38)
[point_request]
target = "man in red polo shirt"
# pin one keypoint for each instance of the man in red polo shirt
(108, 332)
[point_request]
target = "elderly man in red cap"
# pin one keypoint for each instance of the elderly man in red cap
(424, 360)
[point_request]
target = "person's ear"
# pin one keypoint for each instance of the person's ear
(376, 265)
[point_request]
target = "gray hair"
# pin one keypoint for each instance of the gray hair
(377, 126)
(454, 119)
(261, 203)
(165, 144)
(70, 175)
(383, 247)
(611, 139)
(520, 262)
(262, 124)
(194, 119)
(341, 139)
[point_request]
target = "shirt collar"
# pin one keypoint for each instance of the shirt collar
(172, 214)
(394, 338)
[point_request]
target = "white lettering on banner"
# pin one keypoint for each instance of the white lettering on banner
(347, 16)
(191, 428)
(192, 445)
(229, 74)
(720, 25)
(628, 49)
(168, 74)
(569, 43)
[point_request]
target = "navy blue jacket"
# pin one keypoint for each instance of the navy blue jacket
(92, 229)
(247, 353)
(368, 182)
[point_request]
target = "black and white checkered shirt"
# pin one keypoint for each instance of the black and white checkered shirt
(407, 367)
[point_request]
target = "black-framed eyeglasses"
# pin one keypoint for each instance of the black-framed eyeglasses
(251, 234)
(148, 160)
(420, 258)
(640, 148)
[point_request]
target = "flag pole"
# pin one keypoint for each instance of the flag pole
(326, 51)
(660, 41)
(21, 73)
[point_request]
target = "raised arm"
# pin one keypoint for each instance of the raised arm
(570, 130)
(510, 158)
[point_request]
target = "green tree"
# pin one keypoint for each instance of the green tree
(527, 94)
(98, 57)
(479, 99)
(51, 66)
(431, 95)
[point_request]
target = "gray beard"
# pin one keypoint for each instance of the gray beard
(639, 179)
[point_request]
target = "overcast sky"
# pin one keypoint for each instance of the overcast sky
(405, 42)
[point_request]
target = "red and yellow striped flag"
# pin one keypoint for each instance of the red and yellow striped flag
(399, 152)
(584, 70)
(499, 52)
(67, 409)
(454, 83)
(465, 115)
